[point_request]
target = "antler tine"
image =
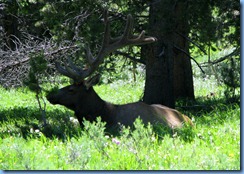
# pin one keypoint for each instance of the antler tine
(71, 71)
(128, 38)
(89, 55)
(131, 39)
(107, 36)
(129, 27)
(74, 67)
(63, 71)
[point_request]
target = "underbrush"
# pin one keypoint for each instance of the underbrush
(213, 146)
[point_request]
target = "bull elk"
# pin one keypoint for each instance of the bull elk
(86, 103)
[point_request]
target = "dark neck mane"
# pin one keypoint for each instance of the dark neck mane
(108, 113)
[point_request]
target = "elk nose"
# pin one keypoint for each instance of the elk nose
(51, 98)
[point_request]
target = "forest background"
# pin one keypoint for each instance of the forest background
(194, 67)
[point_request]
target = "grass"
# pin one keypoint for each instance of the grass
(214, 143)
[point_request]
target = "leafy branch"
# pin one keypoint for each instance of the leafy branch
(37, 66)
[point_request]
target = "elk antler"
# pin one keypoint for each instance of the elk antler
(109, 45)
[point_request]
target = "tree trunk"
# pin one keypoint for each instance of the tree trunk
(168, 70)
(159, 84)
(183, 79)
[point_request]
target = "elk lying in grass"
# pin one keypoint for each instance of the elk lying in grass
(85, 102)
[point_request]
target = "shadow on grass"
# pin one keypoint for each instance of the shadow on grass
(27, 122)
(210, 107)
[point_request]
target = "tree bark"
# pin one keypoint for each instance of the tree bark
(183, 79)
(159, 84)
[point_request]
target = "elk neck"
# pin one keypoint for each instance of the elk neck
(95, 107)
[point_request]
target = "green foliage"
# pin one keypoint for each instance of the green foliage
(38, 66)
(224, 72)
(38, 63)
(53, 90)
(96, 132)
(230, 73)
(187, 133)
(214, 24)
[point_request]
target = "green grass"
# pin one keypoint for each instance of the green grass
(214, 143)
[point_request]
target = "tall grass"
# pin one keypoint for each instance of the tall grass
(214, 143)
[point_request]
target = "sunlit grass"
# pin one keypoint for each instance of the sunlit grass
(121, 92)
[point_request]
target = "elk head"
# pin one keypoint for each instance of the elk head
(71, 96)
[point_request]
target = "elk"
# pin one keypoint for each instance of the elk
(86, 103)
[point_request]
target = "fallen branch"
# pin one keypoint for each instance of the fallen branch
(26, 59)
(14, 64)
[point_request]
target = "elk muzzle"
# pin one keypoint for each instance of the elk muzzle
(52, 98)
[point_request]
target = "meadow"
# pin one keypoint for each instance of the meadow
(214, 143)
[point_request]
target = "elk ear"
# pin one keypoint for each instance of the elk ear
(92, 81)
